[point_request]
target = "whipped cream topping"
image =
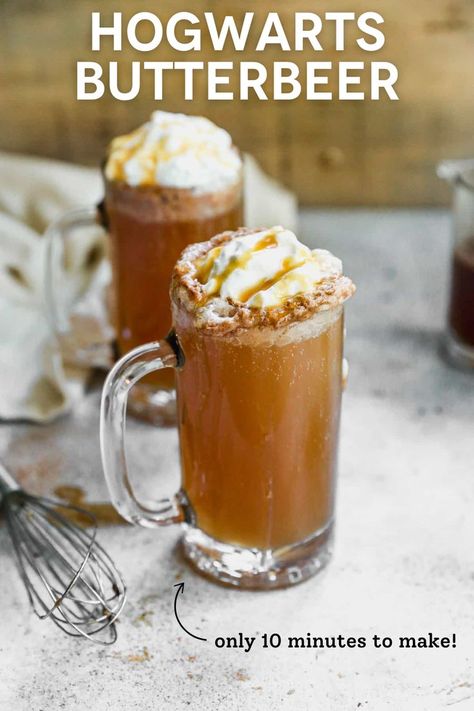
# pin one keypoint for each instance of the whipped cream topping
(175, 150)
(264, 268)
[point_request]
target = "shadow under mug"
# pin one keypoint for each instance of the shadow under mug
(144, 230)
(258, 422)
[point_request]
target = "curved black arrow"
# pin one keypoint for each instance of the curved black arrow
(180, 589)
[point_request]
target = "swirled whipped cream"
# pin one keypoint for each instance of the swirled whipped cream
(264, 268)
(175, 150)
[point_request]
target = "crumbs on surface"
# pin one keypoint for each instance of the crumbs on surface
(143, 656)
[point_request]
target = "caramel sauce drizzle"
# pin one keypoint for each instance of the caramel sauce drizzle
(287, 266)
(121, 152)
(204, 269)
(267, 242)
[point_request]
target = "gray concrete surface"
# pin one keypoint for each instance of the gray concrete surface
(404, 558)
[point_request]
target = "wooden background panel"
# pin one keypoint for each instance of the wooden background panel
(338, 153)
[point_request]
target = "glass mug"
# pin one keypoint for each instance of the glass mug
(258, 423)
(148, 227)
(459, 338)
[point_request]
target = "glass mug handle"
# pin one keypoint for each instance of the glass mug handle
(95, 353)
(113, 412)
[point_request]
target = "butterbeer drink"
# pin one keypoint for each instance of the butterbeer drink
(256, 346)
(461, 309)
(174, 181)
(259, 320)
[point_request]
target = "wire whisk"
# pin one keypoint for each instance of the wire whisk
(68, 576)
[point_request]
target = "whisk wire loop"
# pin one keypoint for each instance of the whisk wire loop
(68, 576)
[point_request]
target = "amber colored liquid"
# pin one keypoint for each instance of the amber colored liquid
(461, 310)
(149, 228)
(258, 429)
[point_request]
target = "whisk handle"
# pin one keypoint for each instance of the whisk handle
(127, 371)
(7, 481)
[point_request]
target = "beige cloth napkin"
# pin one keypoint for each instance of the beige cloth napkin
(35, 382)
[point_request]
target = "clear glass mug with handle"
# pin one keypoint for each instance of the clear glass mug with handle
(258, 422)
(144, 230)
